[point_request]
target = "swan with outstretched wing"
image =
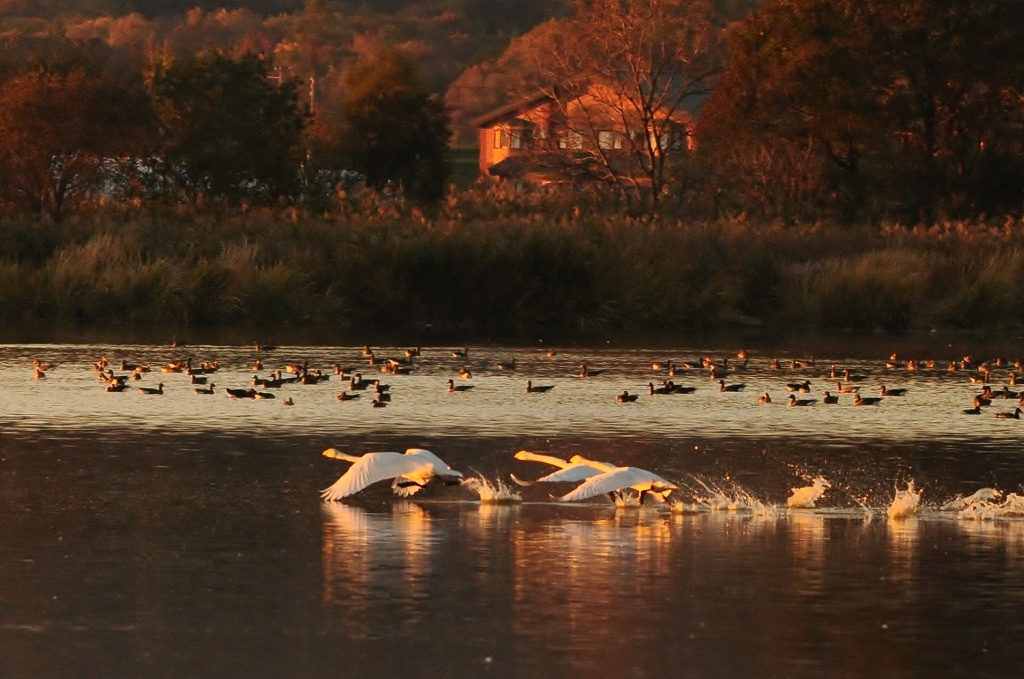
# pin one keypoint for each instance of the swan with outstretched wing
(568, 470)
(410, 471)
(617, 479)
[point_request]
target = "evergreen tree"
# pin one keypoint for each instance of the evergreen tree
(227, 130)
(393, 129)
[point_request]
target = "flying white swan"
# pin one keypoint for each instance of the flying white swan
(568, 472)
(617, 479)
(410, 470)
(599, 478)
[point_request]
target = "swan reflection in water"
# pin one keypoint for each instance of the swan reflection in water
(371, 559)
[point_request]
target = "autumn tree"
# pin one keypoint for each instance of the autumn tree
(228, 130)
(905, 107)
(628, 76)
(393, 131)
(58, 134)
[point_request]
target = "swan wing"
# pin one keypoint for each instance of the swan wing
(618, 479)
(600, 466)
(369, 469)
(572, 471)
(571, 474)
(434, 466)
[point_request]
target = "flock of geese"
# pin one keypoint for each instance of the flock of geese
(411, 470)
(847, 384)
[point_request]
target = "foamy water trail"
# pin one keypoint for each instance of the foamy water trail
(985, 505)
(492, 493)
(710, 497)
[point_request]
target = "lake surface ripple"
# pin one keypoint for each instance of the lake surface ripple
(184, 534)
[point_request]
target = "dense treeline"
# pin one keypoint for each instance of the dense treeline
(803, 109)
(854, 109)
(234, 167)
(127, 103)
(489, 266)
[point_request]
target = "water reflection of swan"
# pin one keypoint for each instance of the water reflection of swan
(373, 557)
(410, 470)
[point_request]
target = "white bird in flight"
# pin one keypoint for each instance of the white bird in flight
(568, 472)
(410, 470)
(601, 478)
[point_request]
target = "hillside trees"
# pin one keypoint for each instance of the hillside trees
(910, 108)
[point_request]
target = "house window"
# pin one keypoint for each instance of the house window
(607, 139)
(572, 141)
(512, 138)
(674, 139)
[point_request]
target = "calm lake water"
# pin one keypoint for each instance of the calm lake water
(183, 534)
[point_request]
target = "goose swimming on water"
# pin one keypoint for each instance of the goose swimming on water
(859, 400)
(452, 387)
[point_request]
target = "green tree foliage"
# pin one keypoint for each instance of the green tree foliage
(906, 107)
(227, 130)
(57, 130)
(393, 130)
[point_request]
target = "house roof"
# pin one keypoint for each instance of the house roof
(684, 113)
(510, 110)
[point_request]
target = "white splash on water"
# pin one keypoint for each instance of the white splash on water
(492, 493)
(713, 498)
(805, 497)
(905, 502)
(987, 508)
(961, 502)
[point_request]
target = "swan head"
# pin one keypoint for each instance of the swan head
(336, 454)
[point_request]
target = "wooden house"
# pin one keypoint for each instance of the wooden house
(549, 138)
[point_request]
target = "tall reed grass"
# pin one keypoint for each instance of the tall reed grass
(493, 265)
